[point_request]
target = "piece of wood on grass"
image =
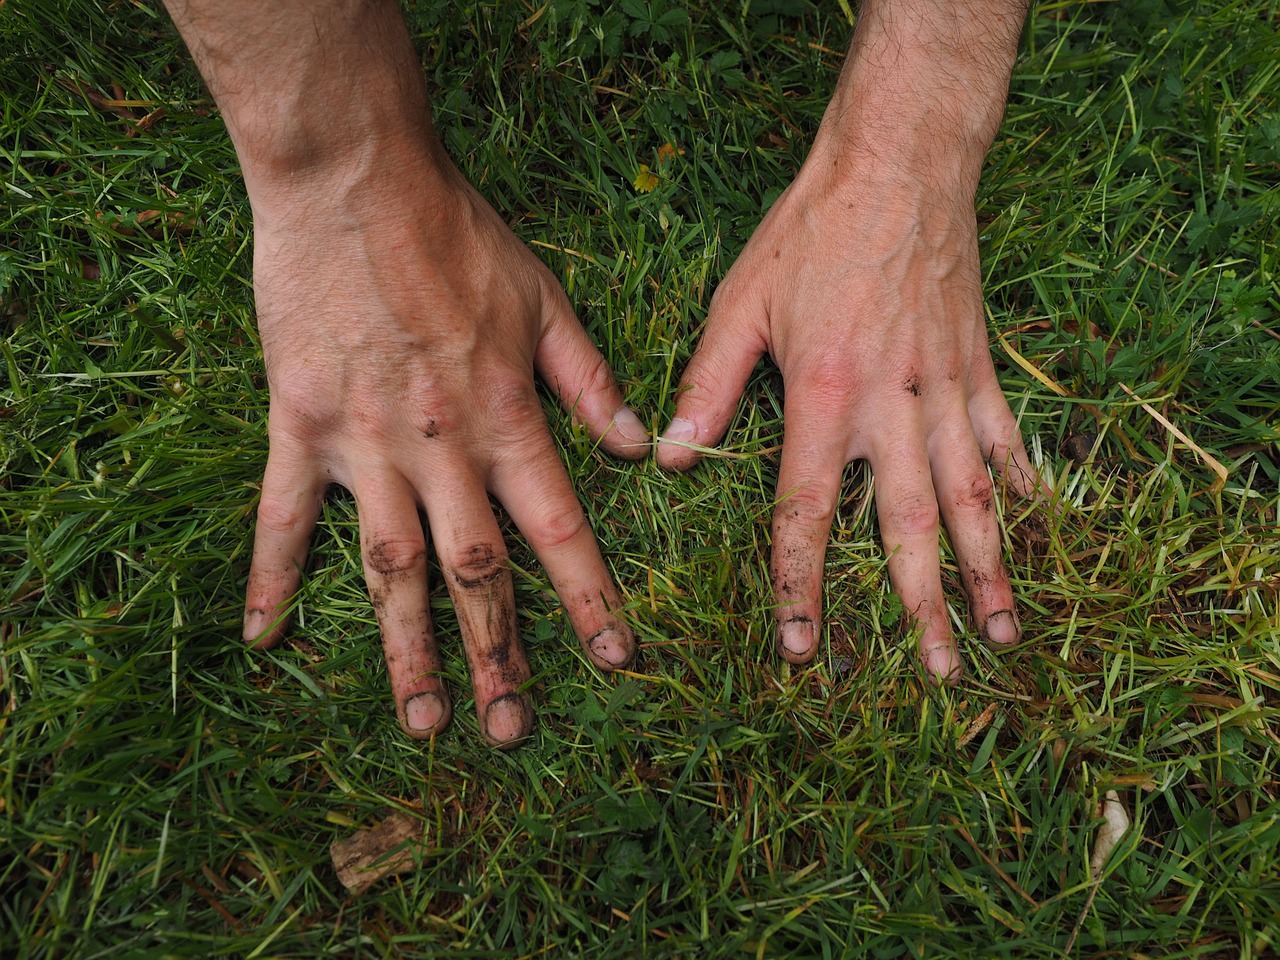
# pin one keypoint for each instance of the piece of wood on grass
(368, 855)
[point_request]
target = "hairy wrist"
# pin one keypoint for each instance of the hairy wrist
(925, 84)
(312, 93)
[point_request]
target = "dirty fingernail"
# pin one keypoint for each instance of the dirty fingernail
(796, 638)
(1002, 627)
(611, 648)
(424, 711)
(630, 427)
(257, 622)
(508, 719)
(252, 624)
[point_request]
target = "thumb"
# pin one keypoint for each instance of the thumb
(713, 382)
(569, 362)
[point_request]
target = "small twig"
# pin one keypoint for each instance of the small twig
(1155, 266)
(1013, 884)
(1210, 461)
(1269, 333)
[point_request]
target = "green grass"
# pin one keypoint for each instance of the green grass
(164, 792)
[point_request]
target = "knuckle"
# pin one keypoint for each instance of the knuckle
(301, 416)
(278, 514)
(477, 566)
(810, 504)
(597, 377)
(915, 515)
(727, 298)
(392, 556)
(831, 383)
(512, 397)
(557, 526)
(973, 493)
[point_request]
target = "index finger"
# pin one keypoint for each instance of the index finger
(532, 484)
(813, 457)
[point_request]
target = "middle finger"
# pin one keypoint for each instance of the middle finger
(473, 560)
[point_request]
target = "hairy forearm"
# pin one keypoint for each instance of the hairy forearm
(925, 81)
(308, 87)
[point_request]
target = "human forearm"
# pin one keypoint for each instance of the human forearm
(925, 83)
(312, 92)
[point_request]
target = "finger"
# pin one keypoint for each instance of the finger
(569, 362)
(967, 502)
(808, 490)
(713, 381)
(532, 484)
(394, 551)
(1000, 440)
(287, 513)
(908, 510)
(473, 560)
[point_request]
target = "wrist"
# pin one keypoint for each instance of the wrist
(340, 180)
(924, 87)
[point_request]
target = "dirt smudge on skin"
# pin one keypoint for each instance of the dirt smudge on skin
(485, 605)
(481, 568)
(388, 560)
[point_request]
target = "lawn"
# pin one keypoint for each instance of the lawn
(166, 792)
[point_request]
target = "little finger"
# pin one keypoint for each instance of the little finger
(287, 513)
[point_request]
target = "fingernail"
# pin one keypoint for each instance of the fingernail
(796, 637)
(508, 719)
(630, 427)
(1002, 627)
(424, 711)
(943, 664)
(256, 620)
(680, 430)
(612, 648)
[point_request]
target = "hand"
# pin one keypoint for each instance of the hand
(401, 322)
(862, 284)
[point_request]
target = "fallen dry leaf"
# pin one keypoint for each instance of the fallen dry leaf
(379, 851)
(1115, 823)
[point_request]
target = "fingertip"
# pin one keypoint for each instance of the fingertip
(942, 663)
(507, 721)
(798, 639)
(263, 627)
(426, 714)
(627, 436)
(613, 648)
(674, 451)
(1002, 628)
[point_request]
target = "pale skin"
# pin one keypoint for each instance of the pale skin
(387, 289)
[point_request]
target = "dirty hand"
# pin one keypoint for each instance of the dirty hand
(401, 328)
(862, 283)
